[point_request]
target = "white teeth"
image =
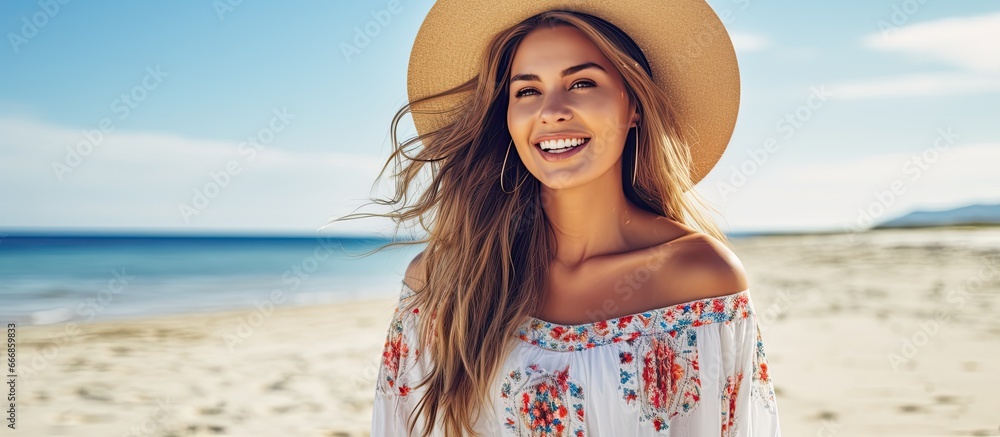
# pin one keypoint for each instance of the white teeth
(562, 143)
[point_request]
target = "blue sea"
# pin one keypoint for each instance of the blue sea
(57, 278)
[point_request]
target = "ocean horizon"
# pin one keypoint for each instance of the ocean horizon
(51, 277)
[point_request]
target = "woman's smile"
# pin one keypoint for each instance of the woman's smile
(562, 151)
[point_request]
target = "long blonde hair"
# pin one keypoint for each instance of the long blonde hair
(487, 252)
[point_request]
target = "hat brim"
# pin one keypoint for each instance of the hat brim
(688, 48)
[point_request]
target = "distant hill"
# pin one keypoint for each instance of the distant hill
(966, 215)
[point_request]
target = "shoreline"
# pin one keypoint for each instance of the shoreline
(865, 337)
(193, 311)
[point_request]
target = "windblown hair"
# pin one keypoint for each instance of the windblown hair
(487, 254)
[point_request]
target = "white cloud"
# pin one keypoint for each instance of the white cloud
(140, 179)
(749, 42)
(916, 85)
(966, 42)
(825, 196)
(136, 179)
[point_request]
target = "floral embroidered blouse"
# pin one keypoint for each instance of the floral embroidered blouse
(692, 369)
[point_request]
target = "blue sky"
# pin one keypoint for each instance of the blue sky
(199, 78)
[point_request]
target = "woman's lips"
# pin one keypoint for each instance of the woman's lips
(561, 156)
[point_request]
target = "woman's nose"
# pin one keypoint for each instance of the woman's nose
(555, 110)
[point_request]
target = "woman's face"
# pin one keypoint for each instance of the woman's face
(588, 102)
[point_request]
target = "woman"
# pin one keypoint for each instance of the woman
(568, 287)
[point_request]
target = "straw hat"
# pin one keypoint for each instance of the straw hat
(685, 42)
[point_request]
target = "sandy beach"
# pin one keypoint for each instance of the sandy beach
(886, 333)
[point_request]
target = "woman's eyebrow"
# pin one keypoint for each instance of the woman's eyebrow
(566, 72)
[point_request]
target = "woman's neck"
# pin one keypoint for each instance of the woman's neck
(590, 220)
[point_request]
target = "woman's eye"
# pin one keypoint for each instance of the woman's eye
(523, 92)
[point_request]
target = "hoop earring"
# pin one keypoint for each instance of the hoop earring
(504, 167)
(635, 160)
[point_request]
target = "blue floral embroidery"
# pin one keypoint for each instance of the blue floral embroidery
(672, 319)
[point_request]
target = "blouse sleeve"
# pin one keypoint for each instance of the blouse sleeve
(748, 403)
(402, 366)
(764, 406)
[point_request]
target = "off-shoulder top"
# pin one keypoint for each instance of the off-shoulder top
(692, 369)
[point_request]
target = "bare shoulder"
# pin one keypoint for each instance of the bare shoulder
(700, 267)
(416, 273)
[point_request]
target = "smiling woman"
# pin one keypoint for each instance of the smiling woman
(556, 113)
(572, 287)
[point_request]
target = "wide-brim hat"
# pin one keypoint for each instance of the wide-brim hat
(688, 48)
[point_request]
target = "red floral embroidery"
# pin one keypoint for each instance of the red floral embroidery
(698, 307)
(664, 381)
(626, 357)
(729, 397)
(676, 318)
(762, 389)
(660, 373)
(544, 403)
(394, 350)
(544, 410)
(397, 351)
(601, 328)
(624, 321)
(718, 305)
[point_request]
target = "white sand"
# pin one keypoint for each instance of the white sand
(301, 371)
(835, 314)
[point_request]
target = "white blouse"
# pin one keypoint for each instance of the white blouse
(692, 369)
